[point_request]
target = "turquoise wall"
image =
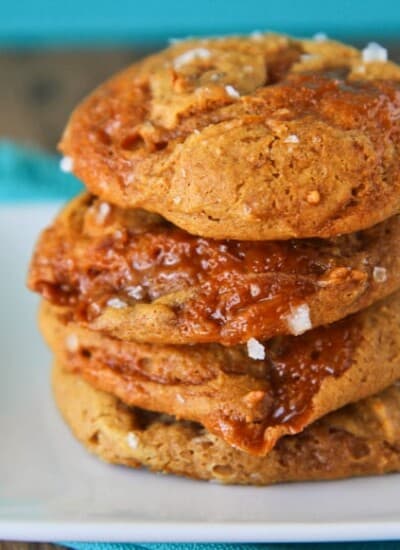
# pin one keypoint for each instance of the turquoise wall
(36, 22)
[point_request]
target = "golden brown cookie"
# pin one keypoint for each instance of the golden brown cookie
(135, 276)
(250, 403)
(361, 439)
(254, 138)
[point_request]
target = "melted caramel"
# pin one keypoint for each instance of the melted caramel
(221, 291)
(296, 368)
(283, 389)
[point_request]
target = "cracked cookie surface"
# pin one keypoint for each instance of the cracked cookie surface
(257, 138)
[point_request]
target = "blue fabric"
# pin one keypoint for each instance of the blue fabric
(29, 175)
(39, 22)
(216, 546)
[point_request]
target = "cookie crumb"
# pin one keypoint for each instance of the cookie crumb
(66, 164)
(232, 92)
(374, 52)
(255, 349)
(292, 138)
(116, 303)
(132, 440)
(298, 321)
(313, 197)
(190, 56)
(379, 274)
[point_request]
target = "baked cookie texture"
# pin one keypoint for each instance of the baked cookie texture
(248, 403)
(360, 439)
(256, 138)
(133, 275)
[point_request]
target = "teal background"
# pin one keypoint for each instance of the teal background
(27, 175)
(44, 22)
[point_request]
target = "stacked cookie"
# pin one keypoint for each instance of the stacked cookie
(222, 302)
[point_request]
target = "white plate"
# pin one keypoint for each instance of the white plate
(52, 489)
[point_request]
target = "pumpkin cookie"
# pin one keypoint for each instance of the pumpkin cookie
(252, 395)
(361, 439)
(256, 138)
(135, 276)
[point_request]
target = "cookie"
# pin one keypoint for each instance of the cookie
(249, 396)
(135, 276)
(361, 439)
(251, 138)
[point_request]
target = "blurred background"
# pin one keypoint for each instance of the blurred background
(52, 53)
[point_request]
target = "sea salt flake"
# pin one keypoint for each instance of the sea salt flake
(292, 138)
(180, 398)
(320, 37)
(116, 303)
(298, 320)
(190, 56)
(66, 164)
(177, 200)
(72, 343)
(254, 290)
(132, 440)
(135, 292)
(218, 315)
(103, 211)
(374, 52)
(278, 412)
(379, 274)
(255, 349)
(232, 92)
